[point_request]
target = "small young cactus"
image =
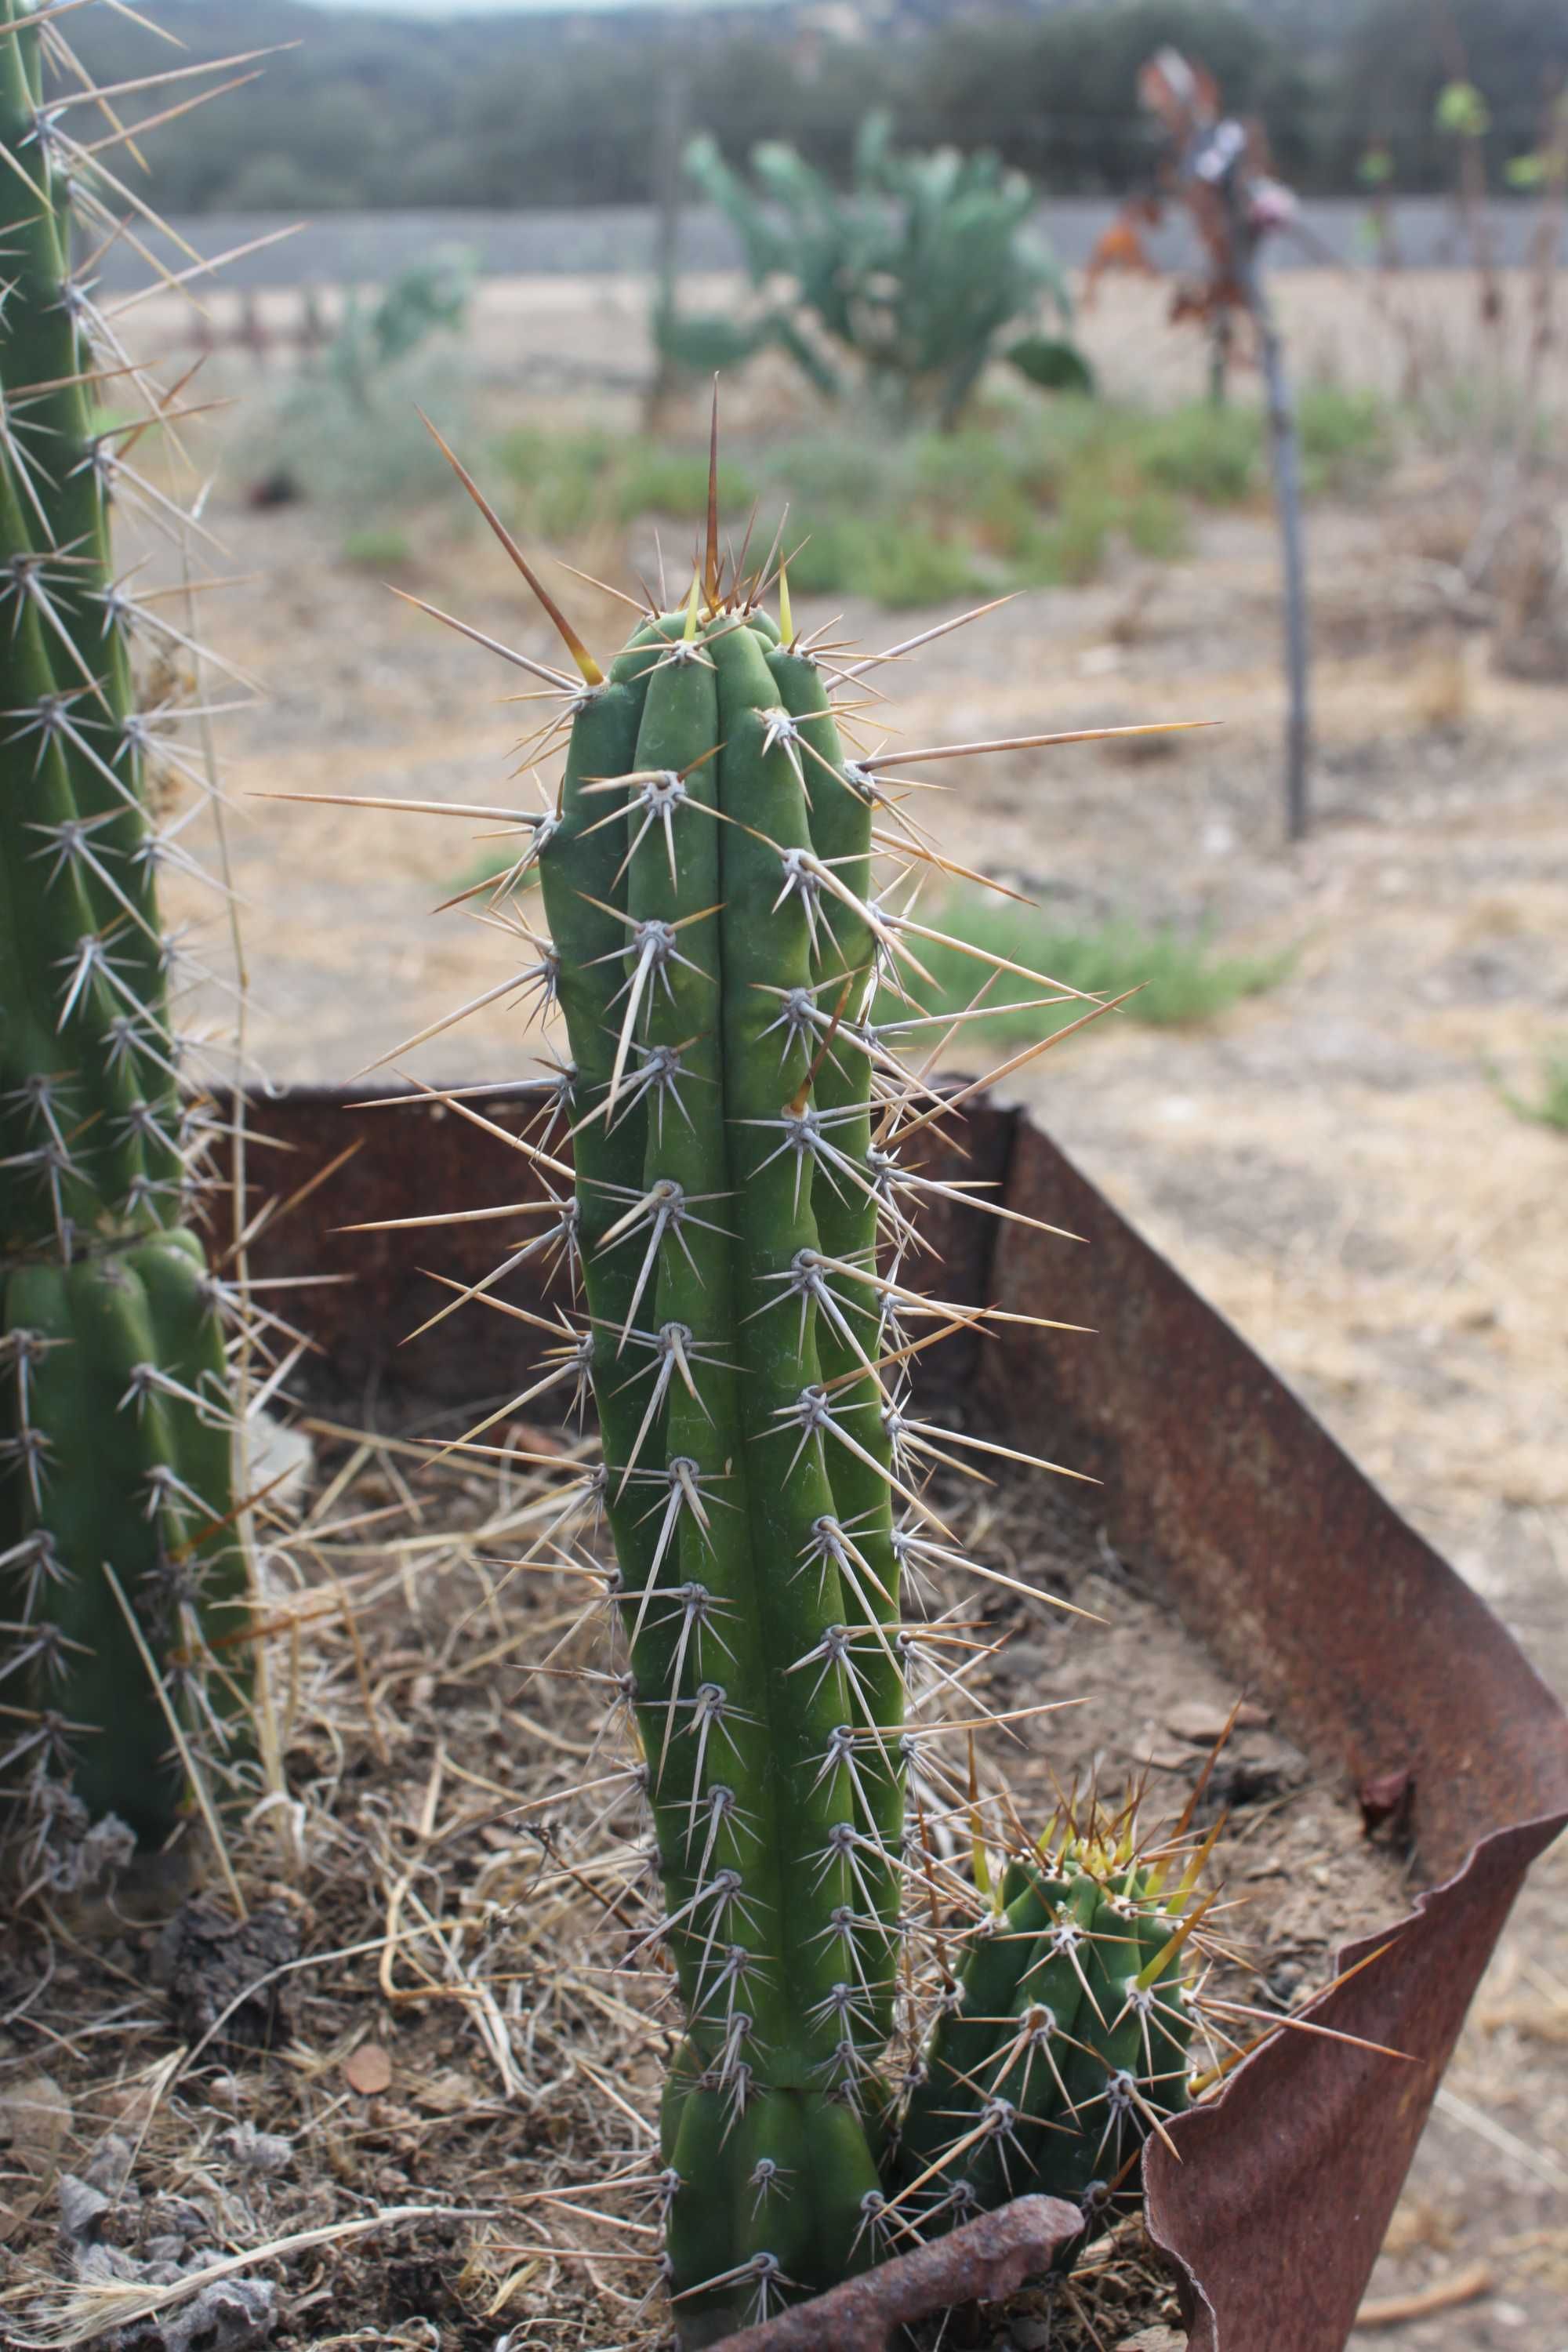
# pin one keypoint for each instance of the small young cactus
(1066, 2040)
(739, 1221)
(122, 1581)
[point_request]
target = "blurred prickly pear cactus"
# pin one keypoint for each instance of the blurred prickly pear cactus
(915, 274)
(428, 299)
(122, 1582)
(730, 957)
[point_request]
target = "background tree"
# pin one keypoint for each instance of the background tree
(532, 108)
(1393, 67)
(1052, 95)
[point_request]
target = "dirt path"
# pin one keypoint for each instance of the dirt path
(1333, 1164)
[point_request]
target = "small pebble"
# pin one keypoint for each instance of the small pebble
(255, 2151)
(82, 2208)
(110, 2167)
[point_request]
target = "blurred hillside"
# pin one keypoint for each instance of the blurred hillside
(376, 111)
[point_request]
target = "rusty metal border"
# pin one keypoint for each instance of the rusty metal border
(421, 1157)
(1306, 1583)
(1223, 1491)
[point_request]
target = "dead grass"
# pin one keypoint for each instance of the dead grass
(463, 2066)
(420, 1869)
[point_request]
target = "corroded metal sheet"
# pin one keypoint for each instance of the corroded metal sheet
(1232, 1501)
(419, 1158)
(426, 1158)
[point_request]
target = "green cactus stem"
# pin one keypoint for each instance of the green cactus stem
(732, 968)
(118, 1539)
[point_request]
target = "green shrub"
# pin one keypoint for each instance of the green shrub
(346, 429)
(859, 472)
(1347, 438)
(560, 478)
(1219, 455)
(1068, 550)
(565, 482)
(1214, 455)
(653, 479)
(1049, 443)
(1550, 1106)
(896, 564)
(959, 473)
(1039, 497)
(377, 548)
(974, 483)
(904, 563)
(822, 553)
(360, 467)
(1156, 524)
(1179, 979)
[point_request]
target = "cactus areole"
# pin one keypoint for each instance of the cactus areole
(123, 1584)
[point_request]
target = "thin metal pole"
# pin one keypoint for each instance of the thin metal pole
(670, 154)
(1285, 470)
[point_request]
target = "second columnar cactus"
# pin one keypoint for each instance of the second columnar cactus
(730, 957)
(124, 1584)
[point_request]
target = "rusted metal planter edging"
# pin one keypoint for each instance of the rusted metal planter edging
(1223, 1490)
(1324, 1605)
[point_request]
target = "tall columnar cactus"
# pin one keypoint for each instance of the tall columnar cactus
(122, 1582)
(707, 892)
(729, 956)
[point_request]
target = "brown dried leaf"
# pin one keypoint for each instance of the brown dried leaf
(368, 2070)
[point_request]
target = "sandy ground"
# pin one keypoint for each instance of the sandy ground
(1333, 1164)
